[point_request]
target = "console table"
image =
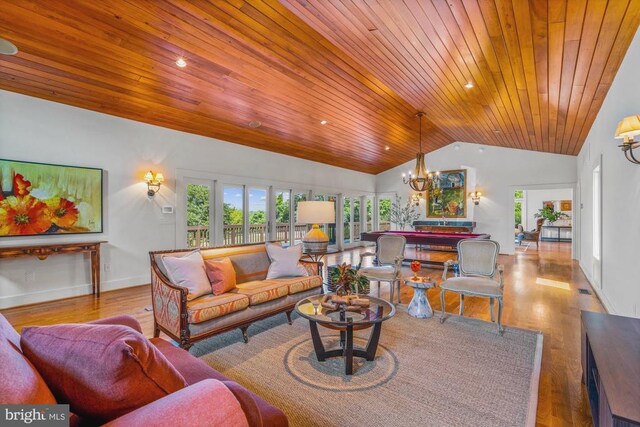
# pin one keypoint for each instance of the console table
(44, 251)
(559, 231)
(611, 368)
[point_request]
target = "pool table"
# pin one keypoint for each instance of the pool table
(429, 240)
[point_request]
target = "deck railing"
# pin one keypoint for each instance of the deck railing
(198, 236)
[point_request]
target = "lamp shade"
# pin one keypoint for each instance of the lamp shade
(628, 127)
(316, 212)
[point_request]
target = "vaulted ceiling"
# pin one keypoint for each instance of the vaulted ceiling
(540, 69)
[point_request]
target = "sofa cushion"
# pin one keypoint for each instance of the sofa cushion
(285, 262)
(20, 382)
(221, 275)
(249, 262)
(188, 271)
(211, 306)
(260, 291)
(301, 284)
(194, 370)
(102, 371)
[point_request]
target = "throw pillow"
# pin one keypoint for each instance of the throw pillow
(285, 261)
(188, 271)
(102, 371)
(221, 274)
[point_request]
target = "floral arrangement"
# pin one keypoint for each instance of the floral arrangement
(22, 213)
(550, 214)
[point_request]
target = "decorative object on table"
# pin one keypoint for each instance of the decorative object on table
(420, 179)
(403, 214)
(419, 306)
(627, 129)
(416, 266)
(351, 280)
(44, 199)
(154, 182)
(475, 197)
(565, 205)
(387, 263)
(316, 212)
(549, 213)
(335, 302)
(448, 197)
(478, 267)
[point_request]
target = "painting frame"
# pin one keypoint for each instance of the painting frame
(93, 176)
(436, 197)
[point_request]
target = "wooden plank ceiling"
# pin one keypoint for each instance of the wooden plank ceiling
(540, 69)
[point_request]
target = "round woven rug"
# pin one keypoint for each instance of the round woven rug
(301, 362)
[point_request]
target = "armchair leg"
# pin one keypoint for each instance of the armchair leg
(500, 328)
(442, 305)
(491, 309)
(156, 330)
(392, 286)
(461, 304)
(378, 289)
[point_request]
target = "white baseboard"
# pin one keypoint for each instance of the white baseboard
(601, 295)
(68, 292)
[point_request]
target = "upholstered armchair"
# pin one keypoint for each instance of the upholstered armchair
(479, 275)
(387, 263)
(534, 235)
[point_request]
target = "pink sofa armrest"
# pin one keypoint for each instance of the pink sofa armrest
(124, 320)
(208, 401)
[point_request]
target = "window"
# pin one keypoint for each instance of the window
(384, 214)
(258, 230)
(299, 229)
(283, 215)
(369, 217)
(355, 223)
(233, 211)
(518, 206)
(346, 209)
(198, 211)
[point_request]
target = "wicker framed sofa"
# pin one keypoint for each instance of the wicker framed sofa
(187, 319)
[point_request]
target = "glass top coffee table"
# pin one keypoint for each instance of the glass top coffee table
(346, 320)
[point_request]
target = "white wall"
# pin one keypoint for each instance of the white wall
(496, 172)
(41, 131)
(620, 194)
(535, 198)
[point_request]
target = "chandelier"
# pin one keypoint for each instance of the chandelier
(421, 179)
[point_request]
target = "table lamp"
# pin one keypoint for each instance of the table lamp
(316, 212)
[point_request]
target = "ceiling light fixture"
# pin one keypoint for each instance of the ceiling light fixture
(255, 124)
(421, 180)
(481, 150)
(469, 85)
(387, 148)
(7, 48)
(180, 62)
(456, 147)
(627, 129)
(323, 122)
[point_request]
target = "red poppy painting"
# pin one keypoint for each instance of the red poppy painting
(43, 199)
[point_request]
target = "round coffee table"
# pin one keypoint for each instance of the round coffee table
(346, 322)
(419, 306)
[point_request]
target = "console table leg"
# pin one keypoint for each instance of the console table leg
(95, 271)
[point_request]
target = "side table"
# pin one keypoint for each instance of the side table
(419, 306)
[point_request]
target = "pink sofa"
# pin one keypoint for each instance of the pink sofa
(208, 396)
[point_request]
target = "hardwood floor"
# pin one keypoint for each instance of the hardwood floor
(552, 307)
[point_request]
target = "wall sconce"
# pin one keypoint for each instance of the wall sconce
(626, 130)
(153, 182)
(475, 197)
(415, 199)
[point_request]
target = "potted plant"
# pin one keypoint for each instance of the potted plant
(550, 214)
(343, 279)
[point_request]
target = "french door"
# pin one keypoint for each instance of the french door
(200, 224)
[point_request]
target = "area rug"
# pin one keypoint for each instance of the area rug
(459, 373)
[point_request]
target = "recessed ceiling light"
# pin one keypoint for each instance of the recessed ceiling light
(323, 122)
(180, 62)
(481, 150)
(7, 48)
(456, 147)
(496, 131)
(469, 85)
(387, 148)
(255, 123)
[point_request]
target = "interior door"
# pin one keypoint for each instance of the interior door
(597, 226)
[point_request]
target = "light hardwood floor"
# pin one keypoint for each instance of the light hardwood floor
(552, 310)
